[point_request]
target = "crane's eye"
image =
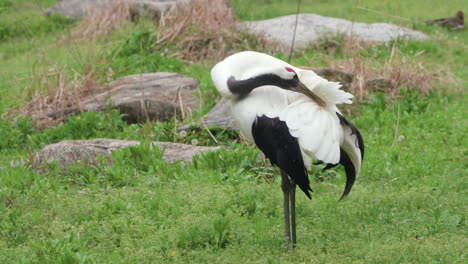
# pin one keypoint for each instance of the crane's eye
(289, 69)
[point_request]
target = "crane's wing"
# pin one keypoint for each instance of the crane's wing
(272, 137)
(317, 129)
(327, 137)
(322, 132)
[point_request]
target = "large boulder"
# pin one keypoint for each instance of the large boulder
(81, 8)
(76, 8)
(138, 8)
(149, 96)
(69, 152)
(218, 117)
(311, 27)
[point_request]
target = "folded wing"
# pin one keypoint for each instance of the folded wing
(318, 131)
(323, 133)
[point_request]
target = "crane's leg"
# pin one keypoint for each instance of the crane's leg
(285, 187)
(292, 199)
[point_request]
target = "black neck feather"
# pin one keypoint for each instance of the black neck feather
(243, 87)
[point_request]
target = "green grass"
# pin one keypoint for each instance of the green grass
(382, 11)
(408, 206)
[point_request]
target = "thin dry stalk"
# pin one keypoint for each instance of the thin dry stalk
(209, 132)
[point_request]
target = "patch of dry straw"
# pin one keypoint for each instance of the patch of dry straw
(63, 95)
(204, 29)
(102, 20)
(400, 70)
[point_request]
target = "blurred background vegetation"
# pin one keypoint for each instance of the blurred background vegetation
(408, 206)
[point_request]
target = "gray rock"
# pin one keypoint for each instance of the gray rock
(70, 152)
(139, 8)
(148, 96)
(151, 9)
(218, 117)
(76, 8)
(378, 84)
(142, 8)
(313, 27)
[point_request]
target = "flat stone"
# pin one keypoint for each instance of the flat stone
(69, 152)
(148, 96)
(218, 117)
(311, 27)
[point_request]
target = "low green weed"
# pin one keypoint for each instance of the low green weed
(69, 249)
(215, 235)
(138, 55)
(5, 5)
(241, 161)
(19, 133)
(15, 26)
(14, 134)
(87, 125)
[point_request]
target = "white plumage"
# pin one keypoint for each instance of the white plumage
(317, 128)
(291, 114)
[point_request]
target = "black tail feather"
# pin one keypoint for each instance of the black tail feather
(350, 173)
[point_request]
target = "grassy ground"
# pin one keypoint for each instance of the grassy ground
(362, 11)
(408, 206)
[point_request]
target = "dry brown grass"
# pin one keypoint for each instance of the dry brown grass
(204, 29)
(56, 93)
(102, 21)
(400, 71)
(194, 31)
(200, 31)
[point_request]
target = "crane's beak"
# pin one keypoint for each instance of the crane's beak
(302, 88)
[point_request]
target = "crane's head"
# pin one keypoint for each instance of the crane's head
(237, 75)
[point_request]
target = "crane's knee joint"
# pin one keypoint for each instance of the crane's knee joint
(286, 182)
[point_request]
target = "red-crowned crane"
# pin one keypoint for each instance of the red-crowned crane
(291, 115)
